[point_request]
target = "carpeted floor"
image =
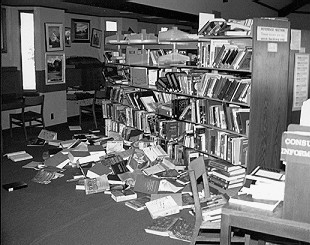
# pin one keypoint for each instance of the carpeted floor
(56, 213)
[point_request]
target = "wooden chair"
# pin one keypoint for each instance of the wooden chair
(95, 108)
(204, 231)
(28, 116)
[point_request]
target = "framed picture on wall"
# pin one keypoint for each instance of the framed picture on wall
(80, 31)
(96, 38)
(67, 36)
(54, 37)
(54, 68)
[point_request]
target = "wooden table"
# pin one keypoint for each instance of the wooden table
(261, 221)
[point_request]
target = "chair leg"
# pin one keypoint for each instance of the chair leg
(11, 130)
(80, 117)
(25, 131)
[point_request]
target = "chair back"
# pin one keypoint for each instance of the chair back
(33, 101)
(198, 169)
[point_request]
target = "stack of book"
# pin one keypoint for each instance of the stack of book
(263, 189)
(225, 175)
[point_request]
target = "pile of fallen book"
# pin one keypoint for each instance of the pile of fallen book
(226, 175)
(141, 175)
(263, 189)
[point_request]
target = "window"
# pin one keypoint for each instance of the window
(111, 25)
(27, 50)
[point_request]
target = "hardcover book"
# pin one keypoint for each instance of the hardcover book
(96, 185)
(139, 203)
(123, 195)
(161, 207)
(146, 184)
(161, 226)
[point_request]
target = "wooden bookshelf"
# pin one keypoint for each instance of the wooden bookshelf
(269, 88)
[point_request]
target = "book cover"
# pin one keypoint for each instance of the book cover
(182, 229)
(139, 203)
(146, 184)
(19, 156)
(177, 197)
(36, 142)
(97, 170)
(123, 195)
(222, 164)
(161, 207)
(96, 185)
(161, 226)
(59, 160)
(248, 200)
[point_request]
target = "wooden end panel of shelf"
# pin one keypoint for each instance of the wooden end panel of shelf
(269, 96)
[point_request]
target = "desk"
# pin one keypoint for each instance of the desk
(261, 221)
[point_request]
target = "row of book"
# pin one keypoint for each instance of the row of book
(231, 57)
(230, 147)
(207, 85)
(230, 27)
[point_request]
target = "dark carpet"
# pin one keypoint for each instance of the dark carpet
(56, 213)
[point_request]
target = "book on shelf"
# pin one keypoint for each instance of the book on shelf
(212, 27)
(161, 207)
(123, 195)
(245, 62)
(161, 226)
(138, 204)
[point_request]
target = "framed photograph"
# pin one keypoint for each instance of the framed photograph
(3, 31)
(80, 31)
(54, 37)
(96, 38)
(54, 68)
(67, 36)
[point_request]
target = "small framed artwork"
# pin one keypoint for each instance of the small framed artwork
(54, 68)
(67, 36)
(54, 37)
(80, 31)
(96, 38)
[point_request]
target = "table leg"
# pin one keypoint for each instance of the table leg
(225, 230)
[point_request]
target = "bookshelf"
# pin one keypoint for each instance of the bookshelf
(268, 72)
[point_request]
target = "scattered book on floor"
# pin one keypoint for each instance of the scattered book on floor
(14, 186)
(139, 203)
(59, 160)
(161, 207)
(146, 184)
(19, 156)
(47, 135)
(96, 185)
(36, 142)
(161, 226)
(182, 229)
(75, 127)
(123, 195)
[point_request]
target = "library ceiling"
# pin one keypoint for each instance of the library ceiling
(130, 9)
